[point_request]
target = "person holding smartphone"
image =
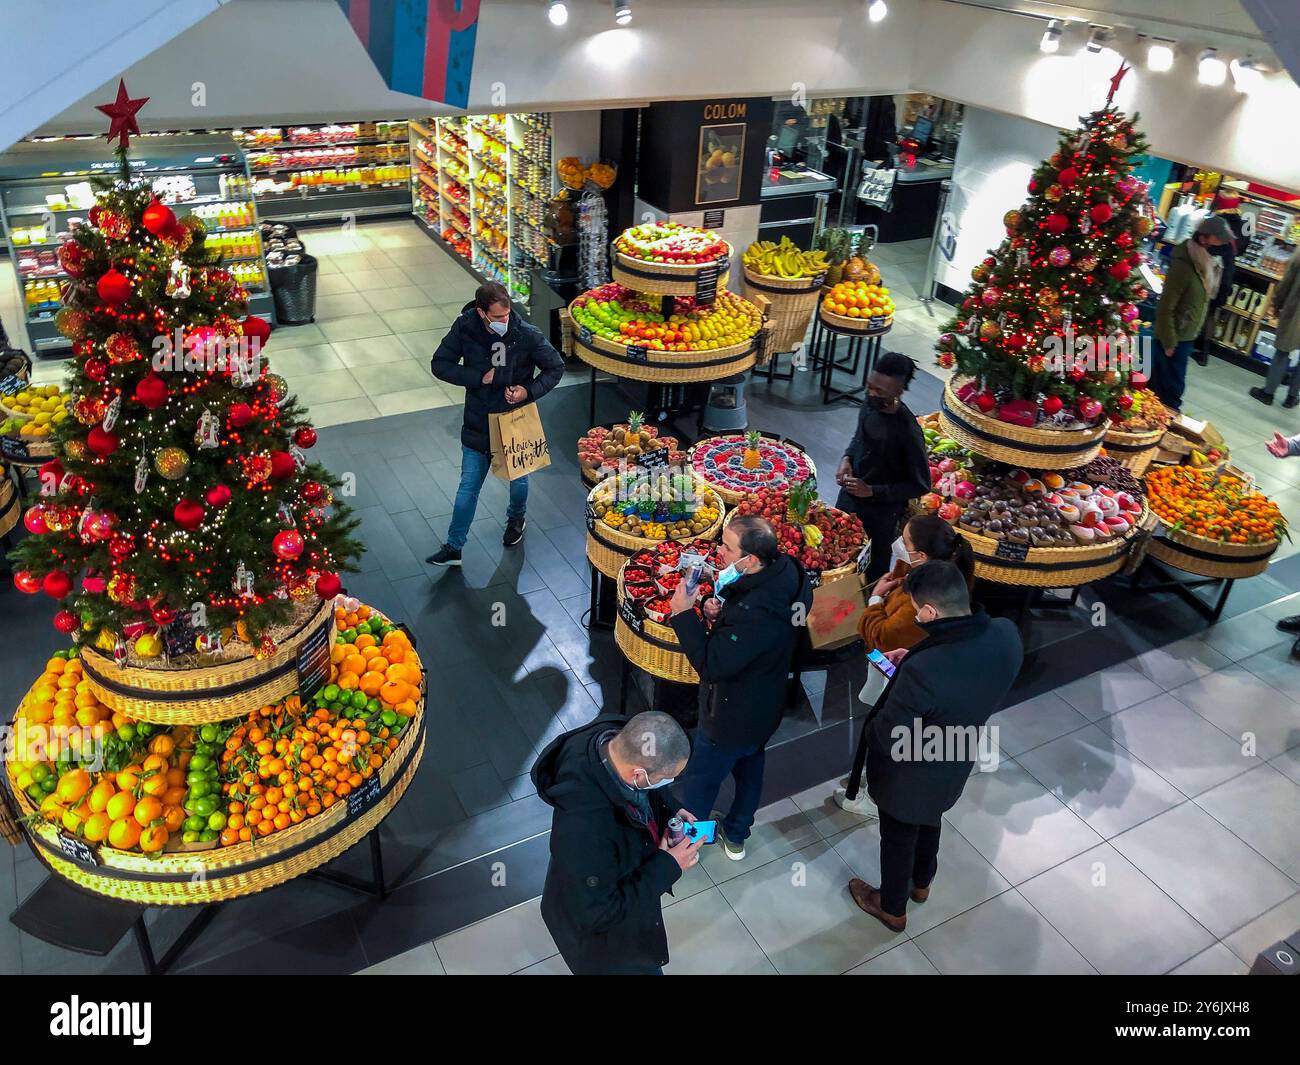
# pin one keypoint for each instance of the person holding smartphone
(612, 858)
(885, 464)
(953, 681)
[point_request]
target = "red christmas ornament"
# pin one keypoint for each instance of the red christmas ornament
(1101, 213)
(121, 549)
(34, 520)
(199, 339)
(305, 436)
(1124, 239)
(1120, 270)
(122, 112)
(1076, 374)
(1090, 408)
(151, 390)
(328, 585)
(162, 614)
(114, 287)
(56, 584)
(121, 347)
(239, 415)
(256, 328)
(71, 258)
(52, 472)
(66, 622)
(101, 442)
(282, 465)
(1137, 380)
(986, 401)
(95, 369)
(1069, 177)
(27, 582)
(158, 218)
(1124, 401)
(313, 492)
(1033, 184)
(1056, 224)
(288, 544)
(947, 360)
(94, 584)
(218, 496)
(1051, 405)
(189, 514)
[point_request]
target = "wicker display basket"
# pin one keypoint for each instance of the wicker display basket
(1210, 558)
(10, 507)
(1035, 449)
(185, 878)
(608, 548)
(666, 279)
(649, 645)
(1134, 450)
(588, 474)
(824, 576)
(730, 496)
(664, 367)
(26, 451)
(206, 693)
(1049, 567)
(867, 327)
(791, 301)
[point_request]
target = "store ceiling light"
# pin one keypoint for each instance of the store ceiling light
(1099, 38)
(1210, 69)
(1051, 42)
(622, 12)
(558, 12)
(878, 10)
(1247, 74)
(1160, 55)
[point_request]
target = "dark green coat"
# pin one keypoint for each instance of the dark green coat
(1183, 303)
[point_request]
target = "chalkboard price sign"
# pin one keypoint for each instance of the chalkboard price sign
(77, 850)
(638, 353)
(628, 613)
(653, 460)
(584, 334)
(314, 662)
(591, 518)
(706, 284)
(364, 797)
(1015, 552)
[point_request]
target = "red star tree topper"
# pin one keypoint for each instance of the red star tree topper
(122, 111)
(182, 477)
(1063, 282)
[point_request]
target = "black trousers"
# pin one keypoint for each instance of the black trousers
(909, 856)
(881, 526)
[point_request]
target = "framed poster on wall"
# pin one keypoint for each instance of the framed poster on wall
(721, 158)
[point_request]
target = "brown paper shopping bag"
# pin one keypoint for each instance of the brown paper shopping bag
(836, 607)
(518, 443)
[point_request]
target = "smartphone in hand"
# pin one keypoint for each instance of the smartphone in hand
(883, 664)
(701, 830)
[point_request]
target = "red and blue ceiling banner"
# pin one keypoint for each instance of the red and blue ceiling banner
(421, 47)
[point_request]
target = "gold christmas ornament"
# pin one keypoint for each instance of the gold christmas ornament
(1047, 297)
(1011, 219)
(990, 330)
(121, 588)
(1054, 194)
(172, 462)
(149, 645)
(71, 323)
(75, 449)
(105, 641)
(1144, 226)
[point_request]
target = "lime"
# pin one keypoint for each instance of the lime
(189, 836)
(330, 694)
(205, 806)
(209, 733)
(48, 785)
(399, 724)
(200, 761)
(359, 700)
(208, 835)
(373, 706)
(349, 636)
(200, 788)
(194, 776)
(195, 823)
(217, 821)
(144, 729)
(336, 708)
(363, 629)
(126, 733)
(35, 792)
(60, 654)
(389, 718)
(40, 772)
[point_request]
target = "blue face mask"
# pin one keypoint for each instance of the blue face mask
(651, 787)
(728, 576)
(499, 328)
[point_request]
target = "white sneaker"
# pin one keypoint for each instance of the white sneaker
(862, 805)
(734, 851)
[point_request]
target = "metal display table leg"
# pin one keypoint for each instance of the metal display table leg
(601, 604)
(1183, 588)
(862, 349)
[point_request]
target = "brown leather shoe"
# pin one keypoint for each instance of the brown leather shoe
(920, 894)
(868, 900)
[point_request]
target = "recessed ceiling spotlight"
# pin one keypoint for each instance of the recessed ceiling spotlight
(878, 10)
(558, 12)
(1247, 74)
(1210, 69)
(1051, 41)
(1160, 55)
(1099, 38)
(622, 12)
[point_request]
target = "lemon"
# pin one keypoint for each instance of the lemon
(43, 418)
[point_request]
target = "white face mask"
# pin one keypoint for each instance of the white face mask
(499, 328)
(900, 552)
(651, 787)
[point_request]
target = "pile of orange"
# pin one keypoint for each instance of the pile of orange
(61, 712)
(856, 299)
(1217, 507)
(380, 666)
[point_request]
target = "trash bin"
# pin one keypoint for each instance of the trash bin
(293, 287)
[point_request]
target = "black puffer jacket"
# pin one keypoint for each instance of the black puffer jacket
(745, 657)
(607, 873)
(465, 355)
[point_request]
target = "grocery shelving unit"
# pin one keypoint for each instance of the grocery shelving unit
(479, 186)
(324, 171)
(45, 189)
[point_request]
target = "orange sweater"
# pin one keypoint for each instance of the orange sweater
(892, 624)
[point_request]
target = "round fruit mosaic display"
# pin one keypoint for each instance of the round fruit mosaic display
(739, 464)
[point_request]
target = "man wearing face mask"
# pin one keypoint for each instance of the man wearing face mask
(501, 361)
(743, 661)
(885, 465)
(611, 858)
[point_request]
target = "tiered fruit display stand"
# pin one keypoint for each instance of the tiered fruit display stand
(168, 725)
(864, 332)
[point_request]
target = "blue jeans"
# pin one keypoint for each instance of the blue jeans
(474, 467)
(1169, 372)
(709, 767)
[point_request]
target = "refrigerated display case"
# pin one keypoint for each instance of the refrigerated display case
(324, 171)
(46, 187)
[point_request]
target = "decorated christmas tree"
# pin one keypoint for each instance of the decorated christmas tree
(181, 493)
(1047, 332)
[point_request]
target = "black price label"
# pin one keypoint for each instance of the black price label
(14, 449)
(314, 662)
(815, 578)
(638, 353)
(584, 334)
(591, 518)
(1010, 549)
(11, 384)
(713, 219)
(627, 611)
(77, 850)
(819, 280)
(364, 797)
(654, 459)
(706, 284)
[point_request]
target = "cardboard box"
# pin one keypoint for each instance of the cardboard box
(1202, 434)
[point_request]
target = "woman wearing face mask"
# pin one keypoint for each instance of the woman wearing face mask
(885, 464)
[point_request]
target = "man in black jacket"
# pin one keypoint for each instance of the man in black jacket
(930, 730)
(610, 858)
(743, 661)
(493, 354)
(885, 464)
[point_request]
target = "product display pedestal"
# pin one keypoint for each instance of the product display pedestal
(864, 344)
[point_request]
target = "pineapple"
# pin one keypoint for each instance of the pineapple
(636, 430)
(802, 495)
(752, 457)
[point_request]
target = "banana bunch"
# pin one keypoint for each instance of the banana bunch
(786, 259)
(812, 535)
